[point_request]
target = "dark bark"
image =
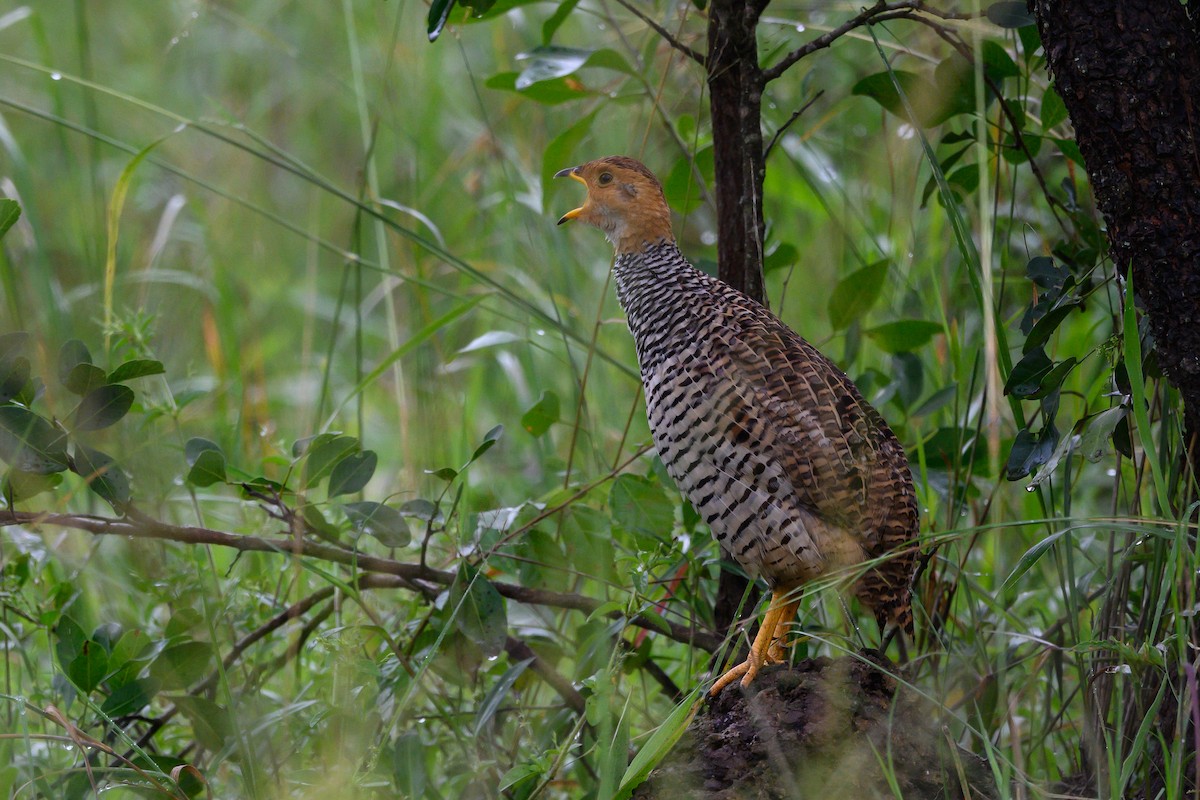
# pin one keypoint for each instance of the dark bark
(735, 85)
(1128, 72)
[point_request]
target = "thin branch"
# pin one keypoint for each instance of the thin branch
(795, 116)
(139, 526)
(519, 651)
(663, 32)
(829, 37)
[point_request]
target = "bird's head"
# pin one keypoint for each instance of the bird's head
(624, 200)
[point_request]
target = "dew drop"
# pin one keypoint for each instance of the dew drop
(55, 76)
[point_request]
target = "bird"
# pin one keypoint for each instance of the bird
(796, 475)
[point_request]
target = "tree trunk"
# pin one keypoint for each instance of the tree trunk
(735, 85)
(1129, 74)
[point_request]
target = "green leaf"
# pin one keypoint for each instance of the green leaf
(542, 414)
(207, 469)
(10, 212)
(14, 376)
(552, 62)
(642, 507)
(1053, 379)
(324, 455)
(548, 93)
(1045, 327)
(21, 485)
(489, 439)
(137, 368)
(1027, 374)
(1054, 110)
(30, 443)
(103, 476)
(130, 698)
(439, 12)
(658, 745)
(83, 378)
(1093, 443)
(1010, 14)
(102, 407)
(784, 256)
(1030, 451)
(409, 765)
(70, 640)
(383, 522)
(855, 294)
(478, 610)
(72, 353)
(555, 20)
(352, 473)
(904, 335)
(212, 724)
(1031, 557)
(182, 665)
(998, 62)
(88, 668)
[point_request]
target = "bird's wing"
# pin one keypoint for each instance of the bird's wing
(829, 442)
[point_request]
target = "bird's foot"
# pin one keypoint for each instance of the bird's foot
(750, 667)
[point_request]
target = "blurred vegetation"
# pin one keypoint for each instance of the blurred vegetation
(372, 506)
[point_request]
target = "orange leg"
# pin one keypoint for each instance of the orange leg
(768, 644)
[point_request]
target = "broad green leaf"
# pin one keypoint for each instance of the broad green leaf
(550, 62)
(1027, 374)
(904, 335)
(137, 368)
(1010, 14)
(998, 62)
(542, 414)
(478, 610)
(1100, 429)
(130, 698)
(70, 639)
(183, 621)
(14, 375)
(317, 524)
(550, 93)
(88, 668)
(182, 665)
(102, 407)
(30, 443)
(323, 456)
(1053, 379)
(409, 765)
(21, 485)
(72, 353)
(212, 724)
(1054, 111)
(352, 473)
(421, 509)
(103, 476)
(107, 635)
(520, 774)
(784, 256)
(198, 445)
(497, 695)
(383, 522)
(1030, 451)
(855, 294)
(1045, 327)
(208, 468)
(83, 378)
(641, 506)
(10, 212)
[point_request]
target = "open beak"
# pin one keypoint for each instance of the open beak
(570, 172)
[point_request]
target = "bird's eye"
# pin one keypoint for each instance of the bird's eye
(605, 178)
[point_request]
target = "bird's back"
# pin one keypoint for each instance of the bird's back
(795, 473)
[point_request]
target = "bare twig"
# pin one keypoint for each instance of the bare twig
(143, 527)
(795, 116)
(663, 32)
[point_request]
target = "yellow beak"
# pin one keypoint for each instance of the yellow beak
(570, 172)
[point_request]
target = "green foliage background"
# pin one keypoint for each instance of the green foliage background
(323, 225)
